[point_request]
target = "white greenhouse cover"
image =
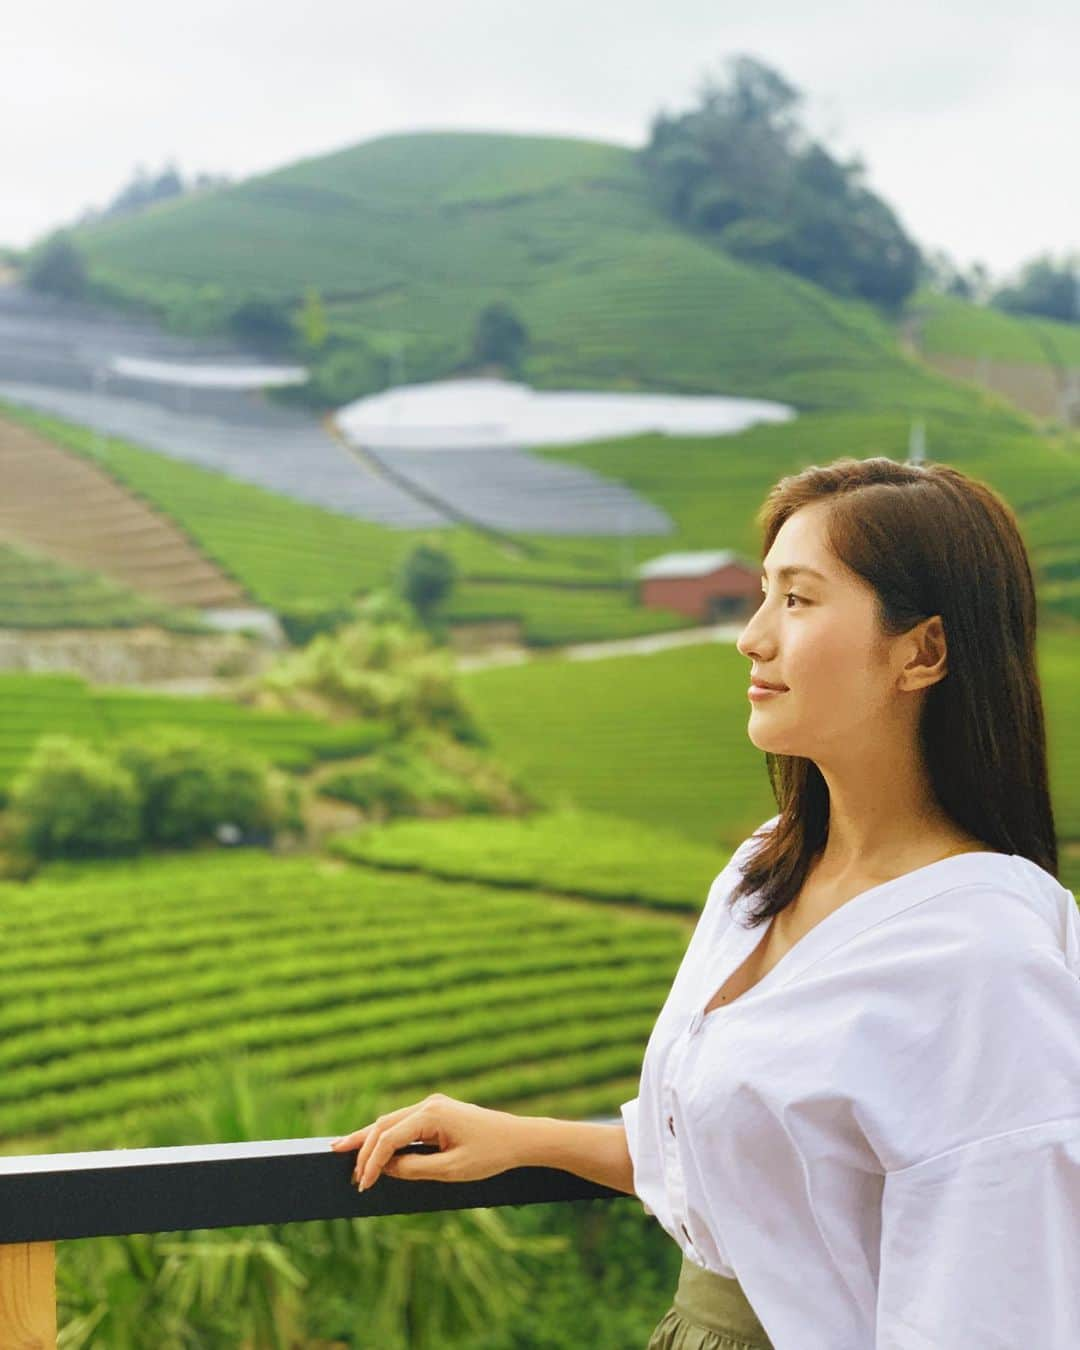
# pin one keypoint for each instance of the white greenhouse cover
(471, 414)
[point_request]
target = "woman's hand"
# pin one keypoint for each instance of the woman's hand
(473, 1142)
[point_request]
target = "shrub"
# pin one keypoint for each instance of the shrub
(347, 373)
(305, 620)
(56, 267)
(387, 671)
(426, 579)
(72, 801)
(425, 775)
(265, 324)
(17, 861)
(190, 784)
(499, 336)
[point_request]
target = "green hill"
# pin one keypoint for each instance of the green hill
(408, 236)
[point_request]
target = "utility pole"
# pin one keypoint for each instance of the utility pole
(626, 562)
(917, 441)
(99, 374)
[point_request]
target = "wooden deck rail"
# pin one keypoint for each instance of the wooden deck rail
(47, 1197)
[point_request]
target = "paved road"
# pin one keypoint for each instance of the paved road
(598, 651)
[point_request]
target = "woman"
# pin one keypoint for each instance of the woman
(859, 1108)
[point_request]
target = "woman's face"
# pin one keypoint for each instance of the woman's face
(818, 636)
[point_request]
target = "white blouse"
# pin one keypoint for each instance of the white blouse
(880, 1140)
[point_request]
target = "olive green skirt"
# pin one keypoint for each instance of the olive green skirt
(709, 1313)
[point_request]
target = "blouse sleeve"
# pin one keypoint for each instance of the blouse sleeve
(980, 1245)
(629, 1113)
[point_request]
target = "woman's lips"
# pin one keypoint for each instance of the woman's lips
(757, 691)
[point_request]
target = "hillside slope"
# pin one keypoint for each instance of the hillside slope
(1032, 362)
(407, 237)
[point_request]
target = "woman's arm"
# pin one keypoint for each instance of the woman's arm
(473, 1142)
(587, 1148)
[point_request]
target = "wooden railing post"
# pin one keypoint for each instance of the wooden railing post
(28, 1296)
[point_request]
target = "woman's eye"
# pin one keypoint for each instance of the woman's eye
(788, 595)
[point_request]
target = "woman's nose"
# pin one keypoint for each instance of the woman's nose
(750, 641)
(743, 642)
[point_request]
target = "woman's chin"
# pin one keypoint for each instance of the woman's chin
(760, 738)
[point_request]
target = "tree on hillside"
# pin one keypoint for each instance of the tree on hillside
(311, 323)
(145, 188)
(740, 168)
(427, 578)
(1045, 288)
(942, 273)
(499, 336)
(56, 267)
(263, 324)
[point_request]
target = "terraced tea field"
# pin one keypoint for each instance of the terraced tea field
(31, 705)
(118, 980)
(63, 505)
(37, 592)
(661, 738)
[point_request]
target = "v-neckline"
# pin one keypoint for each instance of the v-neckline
(744, 955)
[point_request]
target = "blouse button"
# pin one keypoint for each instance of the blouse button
(671, 1124)
(688, 1237)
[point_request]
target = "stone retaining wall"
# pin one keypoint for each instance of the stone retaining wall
(131, 656)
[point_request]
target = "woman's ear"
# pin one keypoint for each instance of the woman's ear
(929, 661)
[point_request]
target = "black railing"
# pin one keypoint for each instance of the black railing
(45, 1198)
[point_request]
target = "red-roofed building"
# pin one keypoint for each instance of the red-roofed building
(713, 587)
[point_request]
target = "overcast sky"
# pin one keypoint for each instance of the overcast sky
(965, 113)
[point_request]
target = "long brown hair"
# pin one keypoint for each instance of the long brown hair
(929, 540)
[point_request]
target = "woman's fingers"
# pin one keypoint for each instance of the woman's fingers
(470, 1142)
(378, 1150)
(350, 1141)
(357, 1137)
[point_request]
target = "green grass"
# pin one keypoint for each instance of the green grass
(38, 592)
(661, 738)
(577, 852)
(121, 979)
(32, 705)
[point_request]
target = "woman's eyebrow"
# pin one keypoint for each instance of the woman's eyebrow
(785, 572)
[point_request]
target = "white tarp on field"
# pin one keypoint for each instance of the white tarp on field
(207, 376)
(475, 414)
